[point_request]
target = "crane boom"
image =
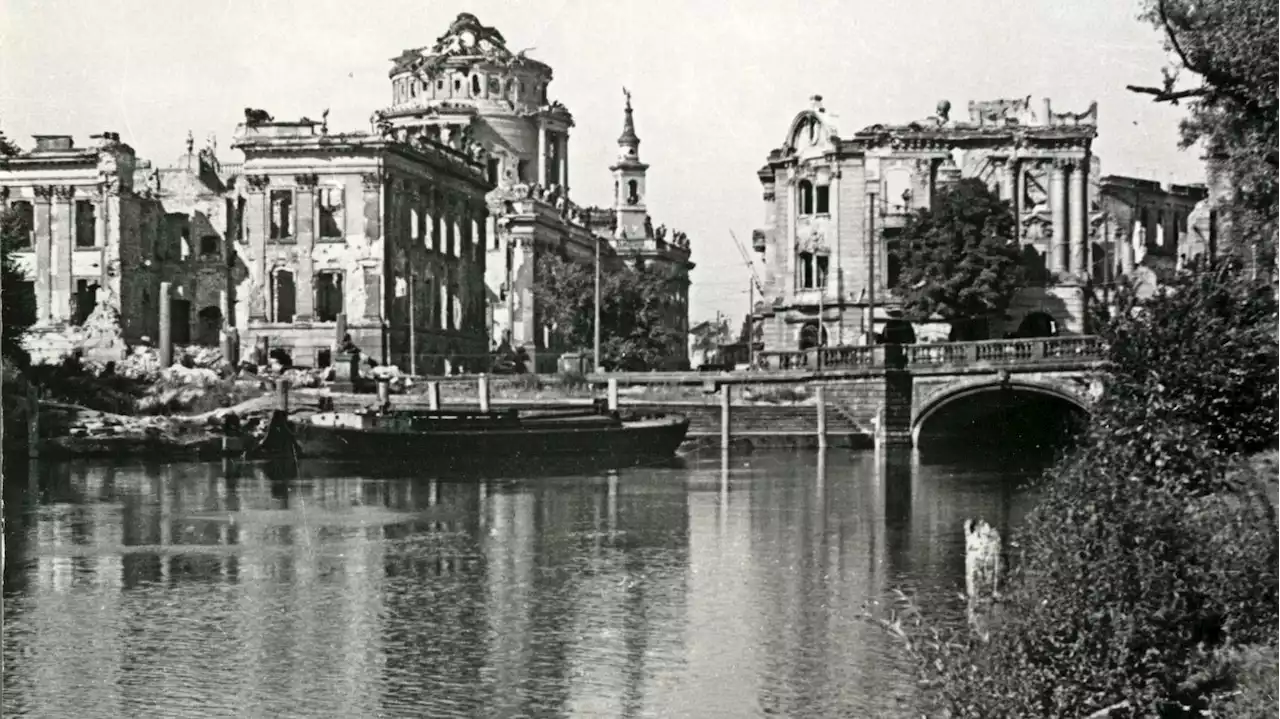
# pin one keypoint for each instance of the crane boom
(746, 258)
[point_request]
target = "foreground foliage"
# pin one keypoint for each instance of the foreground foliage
(634, 332)
(1149, 565)
(1224, 71)
(17, 309)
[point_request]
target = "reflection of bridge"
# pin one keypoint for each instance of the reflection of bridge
(896, 391)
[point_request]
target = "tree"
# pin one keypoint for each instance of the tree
(633, 313)
(18, 309)
(1229, 47)
(960, 258)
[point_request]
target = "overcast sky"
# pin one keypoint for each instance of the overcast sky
(715, 83)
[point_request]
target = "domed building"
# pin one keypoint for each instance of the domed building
(471, 92)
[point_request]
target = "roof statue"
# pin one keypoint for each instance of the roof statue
(627, 93)
(628, 136)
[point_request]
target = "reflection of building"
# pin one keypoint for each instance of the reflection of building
(834, 206)
(390, 234)
(470, 91)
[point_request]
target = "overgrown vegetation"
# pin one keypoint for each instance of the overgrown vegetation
(1151, 558)
(16, 306)
(635, 331)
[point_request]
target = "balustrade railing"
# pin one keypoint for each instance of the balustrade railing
(942, 354)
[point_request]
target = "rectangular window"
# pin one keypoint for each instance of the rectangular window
(86, 219)
(823, 262)
(240, 219)
(331, 214)
(522, 170)
(284, 296)
(329, 298)
(823, 199)
(27, 224)
(281, 214)
(24, 299)
(493, 171)
(210, 247)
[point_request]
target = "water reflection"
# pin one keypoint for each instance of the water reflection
(726, 585)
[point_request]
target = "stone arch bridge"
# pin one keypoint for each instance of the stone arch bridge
(899, 393)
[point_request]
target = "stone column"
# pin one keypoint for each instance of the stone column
(1127, 259)
(63, 234)
(305, 236)
(789, 242)
(1004, 173)
(1078, 221)
(372, 184)
(42, 238)
(542, 153)
(256, 225)
(1058, 207)
(564, 163)
(1018, 183)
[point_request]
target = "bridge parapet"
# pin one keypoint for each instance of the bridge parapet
(1043, 350)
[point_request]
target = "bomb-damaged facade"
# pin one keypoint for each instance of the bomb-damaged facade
(422, 233)
(835, 205)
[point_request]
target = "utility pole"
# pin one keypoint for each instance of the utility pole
(413, 326)
(869, 314)
(597, 323)
(751, 322)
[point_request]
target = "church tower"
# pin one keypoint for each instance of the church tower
(628, 182)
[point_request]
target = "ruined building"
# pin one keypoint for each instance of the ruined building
(390, 234)
(834, 206)
(422, 233)
(469, 91)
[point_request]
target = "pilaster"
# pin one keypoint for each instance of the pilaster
(63, 237)
(564, 162)
(256, 223)
(542, 152)
(42, 237)
(305, 234)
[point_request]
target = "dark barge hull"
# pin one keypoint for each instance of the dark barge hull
(459, 444)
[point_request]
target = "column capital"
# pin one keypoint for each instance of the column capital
(257, 183)
(43, 193)
(307, 181)
(374, 180)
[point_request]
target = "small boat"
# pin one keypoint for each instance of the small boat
(463, 438)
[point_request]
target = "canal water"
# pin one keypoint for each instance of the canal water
(702, 587)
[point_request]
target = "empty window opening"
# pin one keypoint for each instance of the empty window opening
(893, 268)
(86, 300)
(439, 85)
(415, 224)
(180, 321)
(823, 199)
(284, 296)
(240, 219)
(329, 299)
(331, 216)
(184, 243)
(24, 301)
(812, 271)
(522, 170)
(86, 219)
(26, 219)
(210, 247)
(493, 170)
(805, 200)
(475, 85)
(457, 84)
(281, 214)
(208, 325)
(324, 357)
(633, 192)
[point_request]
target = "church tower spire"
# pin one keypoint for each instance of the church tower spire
(629, 180)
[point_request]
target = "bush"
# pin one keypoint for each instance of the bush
(1152, 553)
(1128, 583)
(1201, 351)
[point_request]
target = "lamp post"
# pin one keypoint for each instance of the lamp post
(596, 358)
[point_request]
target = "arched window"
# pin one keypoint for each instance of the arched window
(633, 192)
(805, 199)
(475, 85)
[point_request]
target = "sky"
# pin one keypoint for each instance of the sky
(715, 83)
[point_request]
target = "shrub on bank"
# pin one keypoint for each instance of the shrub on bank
(1148, 567)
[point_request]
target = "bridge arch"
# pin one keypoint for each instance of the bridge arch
(932, 407)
